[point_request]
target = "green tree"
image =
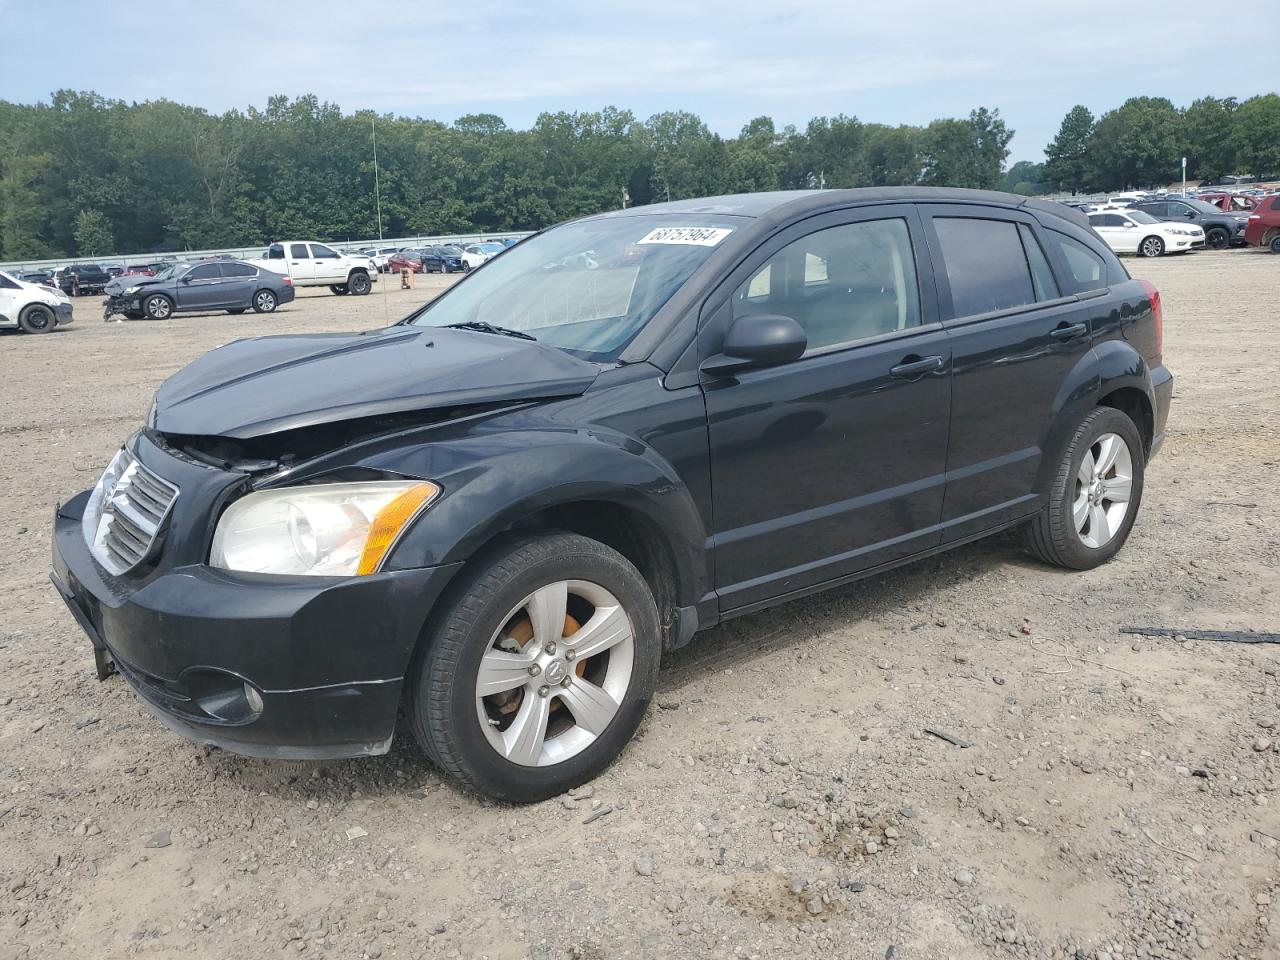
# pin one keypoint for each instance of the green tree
(965, 153)
(1209, 137)
(1025, 178)
(1065, 157)
(1257, 135)
(93, 234)
(1136, 145)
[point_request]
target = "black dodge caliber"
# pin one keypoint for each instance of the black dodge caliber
(497, 514)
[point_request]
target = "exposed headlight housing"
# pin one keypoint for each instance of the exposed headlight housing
(134, 289)
(324, 530)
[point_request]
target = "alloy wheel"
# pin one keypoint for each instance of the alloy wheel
(1103, 488)
(1152, 247)
(265, 301)
(555, 673)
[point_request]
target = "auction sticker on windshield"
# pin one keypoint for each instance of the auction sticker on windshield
(690, 236)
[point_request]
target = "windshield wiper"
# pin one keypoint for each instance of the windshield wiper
(482, 327)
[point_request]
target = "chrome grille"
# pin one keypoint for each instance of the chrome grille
(126, 513)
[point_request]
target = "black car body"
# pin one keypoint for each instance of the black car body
(1221, 229)
(230, 285)
(42, 277)
(825, 384)
(81, 279)
(441, 259)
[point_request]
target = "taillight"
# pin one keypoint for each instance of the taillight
(288, 282)
(1157, 311)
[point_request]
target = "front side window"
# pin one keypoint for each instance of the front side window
(321, 252)
(986, 265)
(206, 271)
(842, 284)
(588, 287)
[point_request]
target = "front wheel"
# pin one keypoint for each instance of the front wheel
(538, 673)
(359, 284)
(37, 318)
(466, 267)
(1094, 494)
(1217, 238)
(158, 307)
(264, 301)
(1151, 247)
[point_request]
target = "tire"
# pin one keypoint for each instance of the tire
(466, 267)
(359, 283)
(1275, 244)
(1056, 536)
(1216, 238)
(489, 606)
(236, 311)
(157, 307)
(340, 289)
(37, 318)
(264, 301)
(1151, 247)
(444, 268)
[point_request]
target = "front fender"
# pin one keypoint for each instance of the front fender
(1109, 366)
(492, 481)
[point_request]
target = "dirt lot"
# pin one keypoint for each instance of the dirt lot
(1118, 797)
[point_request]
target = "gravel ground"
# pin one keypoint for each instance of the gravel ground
(1117, 797)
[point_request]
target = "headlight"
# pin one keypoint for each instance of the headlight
(134, 289)
(328, 530)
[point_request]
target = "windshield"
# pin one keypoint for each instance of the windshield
(589, 286)
(491, 248)
(1202, 206)
(1137, 216)
(173, 270)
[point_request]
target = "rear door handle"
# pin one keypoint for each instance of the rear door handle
(914, 365)
(1068, 331)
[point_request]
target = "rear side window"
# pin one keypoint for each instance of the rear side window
(238, 270)
(275, 252)
(298, 251)
(986, 265)
(1086, 269)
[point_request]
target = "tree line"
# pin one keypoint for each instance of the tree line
(83, 175)
(1142, 142)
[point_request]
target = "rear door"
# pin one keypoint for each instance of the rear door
(238, 281)
(1016, 335)
(833, 463)
(1114, 229)
(301, 267)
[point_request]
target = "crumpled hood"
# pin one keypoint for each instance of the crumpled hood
(268, 384)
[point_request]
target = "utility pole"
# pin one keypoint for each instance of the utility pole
(1184, 177)
(377, 190)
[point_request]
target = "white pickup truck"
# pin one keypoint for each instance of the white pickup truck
(311, 264)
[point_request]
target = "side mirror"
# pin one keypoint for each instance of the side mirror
(758, 341)
(186, 278)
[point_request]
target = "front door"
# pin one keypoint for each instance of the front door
(1119, 233)
(200, 288)
(301, 266)
(327, 264)
(1017, 332)
(833, 463)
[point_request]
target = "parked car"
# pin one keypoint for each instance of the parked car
(310, 264)
(231, 285)
(405, 260)
(1230, 202)
(1132, 231)
(499, 513)
(1263, 229)
(81, 279)
(113, 269)
(478, 254)
(380, 255)
(1221, 229)
(442, 259)
(32, 307)
(42, 277)
(139, 270)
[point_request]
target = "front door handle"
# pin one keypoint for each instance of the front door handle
(1068, 331)
(914, 365)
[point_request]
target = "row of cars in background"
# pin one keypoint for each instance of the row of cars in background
(1152, 225)
(440, 258)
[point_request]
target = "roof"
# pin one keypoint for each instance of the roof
(790, 202)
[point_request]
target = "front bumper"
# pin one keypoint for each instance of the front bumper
(64, 312)
(327, 658)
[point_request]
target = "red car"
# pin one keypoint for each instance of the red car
(1263, 229)
(138, 270)
(1230, 202)
(399, 261)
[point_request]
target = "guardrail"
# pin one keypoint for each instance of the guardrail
(255, 252)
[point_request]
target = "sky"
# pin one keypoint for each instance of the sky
(909, 61)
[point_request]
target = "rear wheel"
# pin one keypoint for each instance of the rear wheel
(359, 283)
(37, 318)
(1275, 243)
(538, 673)
(1094, 496)
(466, 267)
(264, 301)
(340, 289)
(1217, 238)
(1151, 247)
(157, 307)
